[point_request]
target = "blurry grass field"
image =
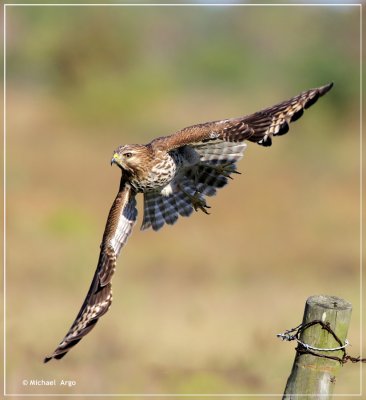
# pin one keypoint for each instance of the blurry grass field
(196, 306)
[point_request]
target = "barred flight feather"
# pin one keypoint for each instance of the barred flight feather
(121, 219)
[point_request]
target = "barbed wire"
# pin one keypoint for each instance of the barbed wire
(305, 348)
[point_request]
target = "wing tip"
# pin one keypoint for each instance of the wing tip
(55, 356)
(310, 96)
(314, 95)
(325, 89)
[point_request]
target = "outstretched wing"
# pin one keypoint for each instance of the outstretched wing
(258, 127)
(219, 146)
(121, 220)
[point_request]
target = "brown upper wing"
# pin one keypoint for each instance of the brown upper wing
(258, 127)
(121, 220)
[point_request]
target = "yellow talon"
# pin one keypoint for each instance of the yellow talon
(197, 203)
(226, 170)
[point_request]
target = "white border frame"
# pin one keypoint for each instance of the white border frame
(4, 188)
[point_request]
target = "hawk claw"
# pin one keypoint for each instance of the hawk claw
(226, 170)
(201, 205)
(198, 203)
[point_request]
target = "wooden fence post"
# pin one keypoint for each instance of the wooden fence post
(312, 375)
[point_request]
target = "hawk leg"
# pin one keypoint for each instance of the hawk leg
(198, 202)
(225, 169)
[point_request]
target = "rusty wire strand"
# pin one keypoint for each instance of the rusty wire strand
(304, 348)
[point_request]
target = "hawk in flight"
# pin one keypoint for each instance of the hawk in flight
(175, 174)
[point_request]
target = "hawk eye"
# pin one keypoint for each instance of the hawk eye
(128, 155)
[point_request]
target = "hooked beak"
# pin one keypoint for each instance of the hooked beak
(116, 159)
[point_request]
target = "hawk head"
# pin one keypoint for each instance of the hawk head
(131, 157)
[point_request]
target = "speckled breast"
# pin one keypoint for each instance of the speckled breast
(162, 172)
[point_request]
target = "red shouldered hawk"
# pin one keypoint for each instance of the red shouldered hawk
(175, 173)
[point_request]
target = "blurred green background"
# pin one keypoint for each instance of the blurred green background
(196, 306)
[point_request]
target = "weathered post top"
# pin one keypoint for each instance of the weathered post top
(311, 374)
(330, 302)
